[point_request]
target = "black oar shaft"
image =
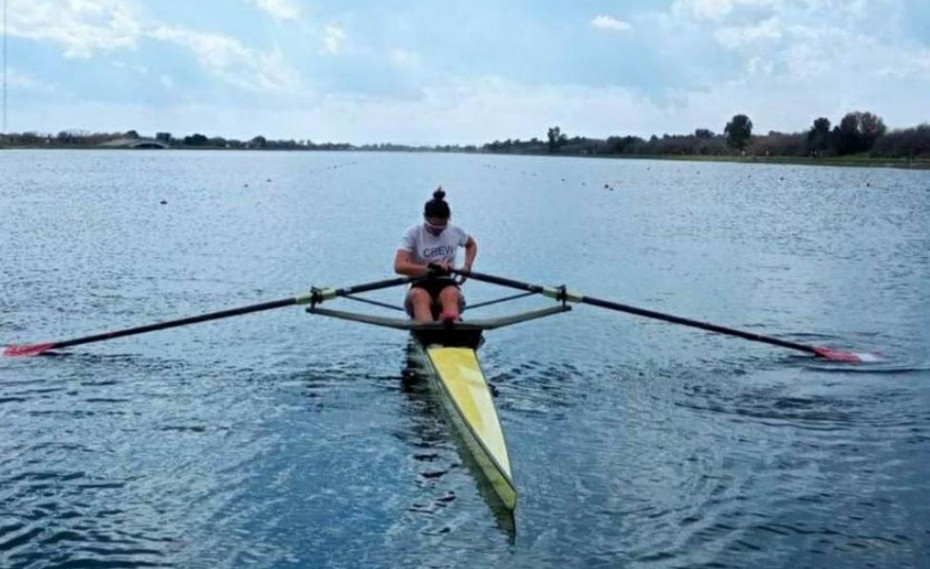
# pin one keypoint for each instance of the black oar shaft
(315, 296)
(561, 294)
(180, 322)
(697, 324)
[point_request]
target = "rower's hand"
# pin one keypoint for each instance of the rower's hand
(460, 278)
(440, 269)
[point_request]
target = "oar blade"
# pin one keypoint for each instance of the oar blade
(27, 350)
(845, 357)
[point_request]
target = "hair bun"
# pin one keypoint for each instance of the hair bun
(439, 194)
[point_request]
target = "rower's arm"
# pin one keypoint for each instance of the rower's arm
(403, 265)
(471, 251)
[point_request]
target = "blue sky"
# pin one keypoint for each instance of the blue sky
(431, 72)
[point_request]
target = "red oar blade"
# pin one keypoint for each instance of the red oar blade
(27, 350)
(847, 357)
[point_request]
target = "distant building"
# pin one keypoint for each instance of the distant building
(163, 136)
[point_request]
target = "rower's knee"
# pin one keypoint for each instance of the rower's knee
(418, 296)
(450, 293)
(418, 303)
(451, 298)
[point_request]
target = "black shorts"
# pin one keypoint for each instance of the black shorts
(434, 286)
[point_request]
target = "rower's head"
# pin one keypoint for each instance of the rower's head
(436, 212)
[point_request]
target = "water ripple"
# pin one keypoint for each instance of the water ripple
(283, 439)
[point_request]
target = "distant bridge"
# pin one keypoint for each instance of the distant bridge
(135, 143)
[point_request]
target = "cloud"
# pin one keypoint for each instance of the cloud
(741, 36)
(141, 69)
(16, 78)
(87, 28)
(410, 74)
(281, 10)
(610, 23)
(718, 9)
(228, 59)
(333, 39)
(82, 28)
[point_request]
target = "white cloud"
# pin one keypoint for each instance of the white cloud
(227, 58)
(18, 79)
(281, 10)
(717, 9)
(82, 27)
(333, 39)
(132, 67)
(610, 23)
(759, 66)
(782, 62)
(480, 110)
(740, 36)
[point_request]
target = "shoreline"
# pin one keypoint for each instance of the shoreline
(834, 161)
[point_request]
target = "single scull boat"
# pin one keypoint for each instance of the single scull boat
(447, 354)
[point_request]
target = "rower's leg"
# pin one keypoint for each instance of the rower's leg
(419, 300)
(449, 299)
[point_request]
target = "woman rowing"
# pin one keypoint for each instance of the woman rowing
(429, 250)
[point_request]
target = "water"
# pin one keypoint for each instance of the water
(281, 439)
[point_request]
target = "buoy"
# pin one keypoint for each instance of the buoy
(163, 202)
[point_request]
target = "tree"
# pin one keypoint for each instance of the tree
(703, 133)
(871, 128)
(738, 131)
(846, 134)
(907, 143)
(195, 140)
(818, 137)
(258, 142)
(858, 132)
(556, 139)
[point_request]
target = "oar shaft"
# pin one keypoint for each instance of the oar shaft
(315, 296)
(697, 324)
(180, 322)
(562, 294)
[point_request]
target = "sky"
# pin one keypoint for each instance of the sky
(463, 72)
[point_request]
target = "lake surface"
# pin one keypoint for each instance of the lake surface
(282, 439)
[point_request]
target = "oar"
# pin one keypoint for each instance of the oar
(314, 296)
(559, 293)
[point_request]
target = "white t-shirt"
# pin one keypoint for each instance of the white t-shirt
(425, 248)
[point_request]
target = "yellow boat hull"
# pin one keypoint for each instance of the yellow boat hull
(456, 374)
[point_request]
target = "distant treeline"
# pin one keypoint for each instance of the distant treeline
(857, 133)
(85, 139)
(78, 139)
(860, 134)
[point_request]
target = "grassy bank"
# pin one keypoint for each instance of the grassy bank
(854, 160)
